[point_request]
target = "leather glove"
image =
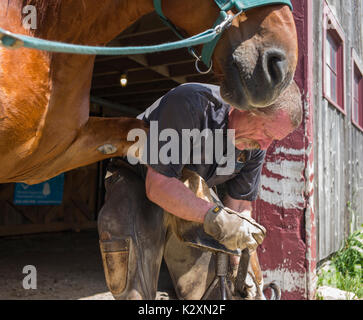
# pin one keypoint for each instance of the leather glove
(233, 229)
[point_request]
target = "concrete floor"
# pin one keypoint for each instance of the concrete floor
(68, 264)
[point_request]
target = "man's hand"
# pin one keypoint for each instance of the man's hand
(233, 230)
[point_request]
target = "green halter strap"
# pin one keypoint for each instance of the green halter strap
(225, 5)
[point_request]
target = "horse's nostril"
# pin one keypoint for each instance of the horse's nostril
(275, 66)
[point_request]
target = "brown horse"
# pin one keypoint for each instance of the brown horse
(45, 128)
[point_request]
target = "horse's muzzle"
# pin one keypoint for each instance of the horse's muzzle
(255, 78)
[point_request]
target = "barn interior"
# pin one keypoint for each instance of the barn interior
(149, 76)
(61, 239)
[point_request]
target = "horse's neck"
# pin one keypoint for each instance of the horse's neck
(92, 22)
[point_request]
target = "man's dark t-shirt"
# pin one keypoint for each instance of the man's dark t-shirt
(200, 106)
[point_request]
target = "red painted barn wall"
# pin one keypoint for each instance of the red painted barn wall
(287, 255)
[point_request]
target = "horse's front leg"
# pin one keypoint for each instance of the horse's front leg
(99, 139)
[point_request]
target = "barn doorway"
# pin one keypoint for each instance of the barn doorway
(60, 239)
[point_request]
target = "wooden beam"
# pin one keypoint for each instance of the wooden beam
(163, 70)
(122, 108)
(182, 70)
(150, 21)
(149, 32)
(140, 106)
(153, 59)
(135, 89)
(204, 78)
(120, 64)
(146, 39)
(141, 96)
(113, 80)
(82, 207)
(169, 57)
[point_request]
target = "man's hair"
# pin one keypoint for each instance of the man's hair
(290, 101)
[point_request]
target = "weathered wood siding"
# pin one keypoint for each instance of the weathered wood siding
(77, 211)
(338, 144)
(356, 135)
(287, 255)
(357, 178)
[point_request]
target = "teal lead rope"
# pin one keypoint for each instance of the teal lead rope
(14, 41)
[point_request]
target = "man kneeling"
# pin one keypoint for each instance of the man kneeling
(133, 228)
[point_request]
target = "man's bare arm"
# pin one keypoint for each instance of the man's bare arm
(173, 196)
(229, 229)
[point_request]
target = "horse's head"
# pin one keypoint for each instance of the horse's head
(255, 58)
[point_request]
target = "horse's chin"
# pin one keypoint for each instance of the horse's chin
(230, 96)
(232, 89)
(234, 93)
(235, 89)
